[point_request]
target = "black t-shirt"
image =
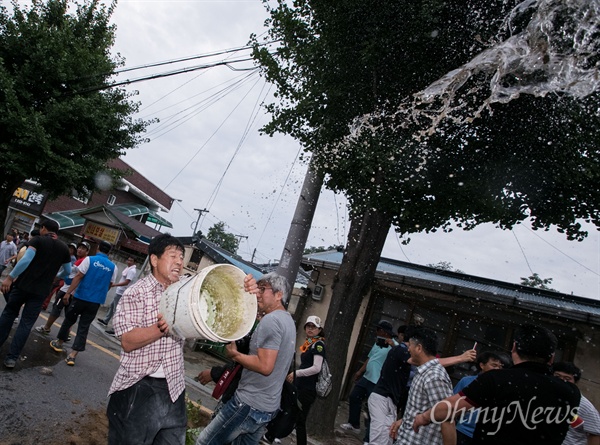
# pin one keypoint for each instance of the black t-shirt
(307, 359)
(394, 375)
(522, 405)
(50, 254)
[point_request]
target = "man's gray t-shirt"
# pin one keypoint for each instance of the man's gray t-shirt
(263, 392)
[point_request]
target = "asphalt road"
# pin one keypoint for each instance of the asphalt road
(43, 400)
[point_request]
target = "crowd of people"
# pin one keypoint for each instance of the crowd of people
(522, 399)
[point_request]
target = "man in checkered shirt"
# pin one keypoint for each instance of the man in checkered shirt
(147, 396)
(430, 384)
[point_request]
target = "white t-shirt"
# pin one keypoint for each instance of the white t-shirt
(128, 274)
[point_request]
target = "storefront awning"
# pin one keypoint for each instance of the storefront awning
(155, 218)
(131, 209)
(72, 218)
(68, 218)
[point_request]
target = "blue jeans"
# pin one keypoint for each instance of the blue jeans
(112, 308)
(236, 423)
(32, 306)
(361, 392)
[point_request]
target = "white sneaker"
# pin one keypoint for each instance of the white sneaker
(41, 330)
(349, 427)
(277, 440)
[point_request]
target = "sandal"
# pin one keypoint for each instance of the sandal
(70, 361)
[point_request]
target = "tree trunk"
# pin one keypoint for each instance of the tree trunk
(363, 250)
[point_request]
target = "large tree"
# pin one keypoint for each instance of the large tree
(338, 60)
(60, 122)
(218, 235)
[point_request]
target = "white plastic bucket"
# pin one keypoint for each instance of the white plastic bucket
(211, 305)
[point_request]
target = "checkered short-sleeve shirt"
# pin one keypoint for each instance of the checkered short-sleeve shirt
(430, 384)
(139, 307)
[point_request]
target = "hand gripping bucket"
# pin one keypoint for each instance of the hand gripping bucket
(211, 305)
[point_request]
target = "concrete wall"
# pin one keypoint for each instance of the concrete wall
(587, 358)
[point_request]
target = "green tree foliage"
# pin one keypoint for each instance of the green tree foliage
(535, 281)
(221, 238)
(338, 60)
(60, 122)
(313, 249)
(444, 265)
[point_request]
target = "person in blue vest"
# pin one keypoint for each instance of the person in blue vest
(89, 287)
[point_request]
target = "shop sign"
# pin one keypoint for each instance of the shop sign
(29, 197)
(99, 231)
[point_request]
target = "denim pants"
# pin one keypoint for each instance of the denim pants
(361, 391)
(236, 423)
(112, 308)
(32, 305)
(144, 414)
(87, 311)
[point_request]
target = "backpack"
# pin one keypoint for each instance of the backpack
(285, 421)
(324, 383)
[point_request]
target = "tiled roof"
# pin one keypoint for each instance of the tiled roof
(469, 286)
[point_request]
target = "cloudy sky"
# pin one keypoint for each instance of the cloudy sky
(207, 152)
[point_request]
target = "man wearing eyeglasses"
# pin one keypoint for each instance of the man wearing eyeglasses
(257, 398)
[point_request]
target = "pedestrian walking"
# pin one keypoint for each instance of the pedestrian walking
(367, 376)
(8, 249)
(88, 289)
(127, 277)
(82, 250)
(29, 283)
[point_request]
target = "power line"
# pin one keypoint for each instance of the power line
(183, 59)
(522, 251)
(249, 125)
(197, 108)
(228, 63)
(181, 86)
(211, 136)
(401, 248)
(560, 251)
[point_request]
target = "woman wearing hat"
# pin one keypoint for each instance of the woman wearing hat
(311, 360)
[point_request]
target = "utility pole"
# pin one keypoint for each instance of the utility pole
(301, 222)
(200, 212)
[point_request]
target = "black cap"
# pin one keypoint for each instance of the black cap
(105, 246)
(386, 326)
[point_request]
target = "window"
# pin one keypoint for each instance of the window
(82, 196)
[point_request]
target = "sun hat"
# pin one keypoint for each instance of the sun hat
(314, 320)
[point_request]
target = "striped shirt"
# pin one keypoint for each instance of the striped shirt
(430, 384)
(139, 307)
(591, 424)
